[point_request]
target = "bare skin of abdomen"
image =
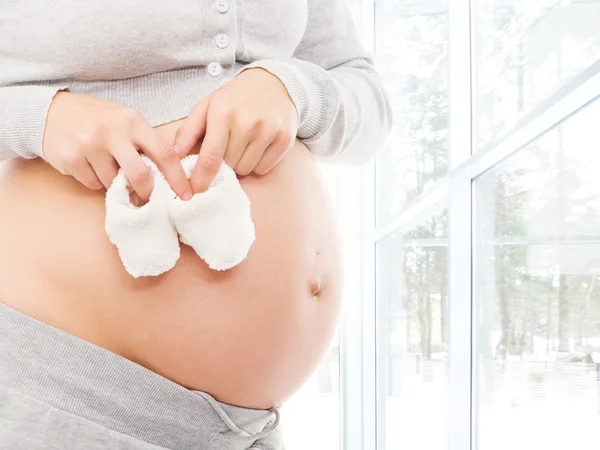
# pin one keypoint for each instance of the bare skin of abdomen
(249, 336)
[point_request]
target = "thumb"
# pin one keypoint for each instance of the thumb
(192, 129)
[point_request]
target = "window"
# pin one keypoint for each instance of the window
(412, 58)
(525, 51)
(412, 299)
(538, 293)
(473, 313)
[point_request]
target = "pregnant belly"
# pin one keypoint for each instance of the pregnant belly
(249, 336)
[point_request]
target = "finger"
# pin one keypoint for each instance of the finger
(252, 155)
(165, 158)
(255, 150)
(105, 167)
(274, 154)
(136, 171)
(86, 176)
(211, 154)
(192, 129)
(238, 141)
(270, 159)
(195, 149)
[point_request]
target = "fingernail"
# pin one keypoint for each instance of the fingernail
(176, 148)
(186, 195)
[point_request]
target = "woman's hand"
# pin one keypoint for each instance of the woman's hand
(250, 123)
(89, 139)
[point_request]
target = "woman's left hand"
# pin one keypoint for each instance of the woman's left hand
(250, 123)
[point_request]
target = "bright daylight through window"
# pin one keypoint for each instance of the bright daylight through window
(472, 313)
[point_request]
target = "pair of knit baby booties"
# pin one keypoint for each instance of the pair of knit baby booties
(216, 223)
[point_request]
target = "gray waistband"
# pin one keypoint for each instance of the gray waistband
(81, 378)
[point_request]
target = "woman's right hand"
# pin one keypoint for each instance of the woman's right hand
(89, 139)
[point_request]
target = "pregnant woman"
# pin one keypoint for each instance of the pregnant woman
(92, 358)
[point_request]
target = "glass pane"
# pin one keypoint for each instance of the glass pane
(412, 293)
(525, 50)
(412, 57)
(537, 293)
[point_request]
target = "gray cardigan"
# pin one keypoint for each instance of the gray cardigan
(162, 57)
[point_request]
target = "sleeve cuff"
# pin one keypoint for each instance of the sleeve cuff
(23, 112)
(304, 90)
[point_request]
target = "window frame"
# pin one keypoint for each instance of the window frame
(362, 423)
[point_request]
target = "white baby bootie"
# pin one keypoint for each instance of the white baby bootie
(216, 223)
(144, 236)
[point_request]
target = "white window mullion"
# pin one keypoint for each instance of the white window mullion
(356, 211)
(351, 323)
(460, 226)
(459, 313)
(370, 416)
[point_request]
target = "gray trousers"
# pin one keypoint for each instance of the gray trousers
(61, 392)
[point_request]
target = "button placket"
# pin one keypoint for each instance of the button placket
(221, 40)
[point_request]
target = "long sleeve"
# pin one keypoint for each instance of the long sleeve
(23, 111)
(344, 113)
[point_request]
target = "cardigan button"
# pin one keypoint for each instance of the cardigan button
(222, 40)
(222, 6)
(214, 69)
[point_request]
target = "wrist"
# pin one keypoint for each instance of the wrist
(56, 98)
